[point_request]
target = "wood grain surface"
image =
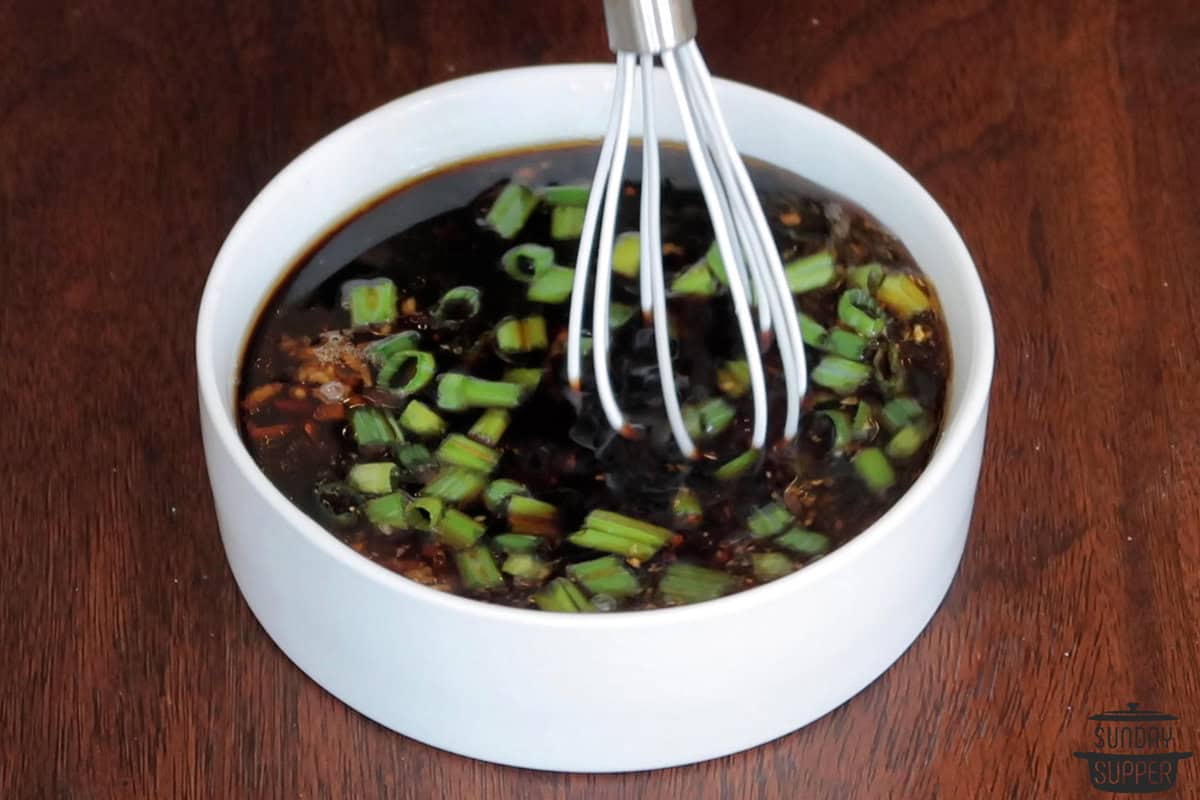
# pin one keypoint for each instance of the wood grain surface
(1062, 136)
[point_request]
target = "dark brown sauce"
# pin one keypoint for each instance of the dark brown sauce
(428, 237)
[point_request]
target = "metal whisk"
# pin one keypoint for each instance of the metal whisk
(638, 31)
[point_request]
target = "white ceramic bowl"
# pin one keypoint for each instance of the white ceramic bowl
(601, 692)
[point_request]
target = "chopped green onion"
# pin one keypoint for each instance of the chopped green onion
(716, 263)
(708, 419)
(423, 371)
(737, 467)
(461, 451)
(859, 311)
(688, 583)
(909, 440)
(770, 566)
(697, 280)
(812, 332)
(605, 575)
(621, 525)
(455, 485)
(338, 503)
(490, 426)
(457, 392)
(552, 285)
(890, 373)
(845, 344)
(373, 426)
(866, 424)
(619, 314)
(477, 569)
(511, 210)
(383, 350)
(498, 492)
(527, 567)
(566, 222)
(902, 295)
(387, 512)
(424, 513)
(375, 478)
(770, 519)
(528, 515)
(873, 467)
(811, 272)
(840, 374)
(521, 335)
(526, 261)
(841, 429)
(867, 277)
(612, 543)
(455, 529)
(562, 595)
(422, 420)
(733, 378)
(627, 255)
(517, 542)
(528, 378)
(371, 302)
(900, 411)
(413, 457)
(686, 509)
(616, 533)
(568, 195)
(457, 306)
(805, 542)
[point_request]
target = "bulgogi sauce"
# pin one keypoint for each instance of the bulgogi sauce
(308, 371)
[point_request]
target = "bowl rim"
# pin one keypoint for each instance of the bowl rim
(978, 362)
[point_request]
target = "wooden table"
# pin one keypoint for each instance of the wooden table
(1061, 136)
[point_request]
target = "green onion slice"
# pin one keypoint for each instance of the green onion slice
(859, 312)
(477, 569)
(512, 209)
(840, 374)
(810, 272)
(874, 469)
(526, 261)
(457, 306)
(627, 255)
(423, 369)
(338, 503)
(371, 302)
(683, 583)
(566, 222)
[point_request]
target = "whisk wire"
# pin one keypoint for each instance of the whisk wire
(652, 262)
(608, 222)
(772, 278)
(721, 231)
(757, 283)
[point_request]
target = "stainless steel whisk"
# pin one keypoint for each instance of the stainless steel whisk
(638, 31)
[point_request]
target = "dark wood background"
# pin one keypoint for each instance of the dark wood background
(1062, 137)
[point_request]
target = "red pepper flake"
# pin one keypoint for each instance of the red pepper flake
(329, 411)
(255, 398)
(265, 433)
(289, 405)
(434, 554)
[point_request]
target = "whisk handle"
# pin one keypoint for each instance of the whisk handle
(649, 26)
